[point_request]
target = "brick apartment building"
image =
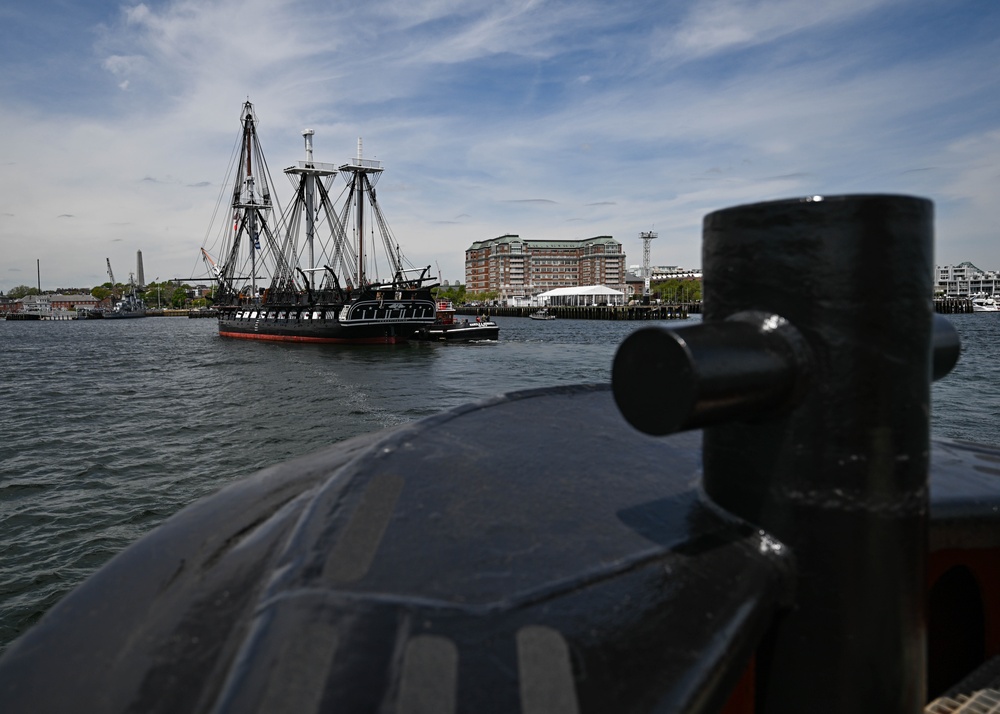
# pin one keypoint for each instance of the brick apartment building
(515, 267)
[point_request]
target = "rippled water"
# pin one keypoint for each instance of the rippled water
(110, 427)
(966, 404)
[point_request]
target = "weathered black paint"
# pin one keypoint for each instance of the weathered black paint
(748, 366)
(325, 583)
(841, 478)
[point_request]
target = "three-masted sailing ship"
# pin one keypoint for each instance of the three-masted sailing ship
(308, 274)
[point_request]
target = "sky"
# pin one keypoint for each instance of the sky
(549, 120)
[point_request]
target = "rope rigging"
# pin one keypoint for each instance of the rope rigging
(260, 245)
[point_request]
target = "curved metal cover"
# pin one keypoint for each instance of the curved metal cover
(532, 552)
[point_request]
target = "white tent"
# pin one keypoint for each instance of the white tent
(582, 296)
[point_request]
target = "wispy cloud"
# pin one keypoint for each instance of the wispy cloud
(655, 113)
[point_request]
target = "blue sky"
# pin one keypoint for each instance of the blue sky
(552, 120)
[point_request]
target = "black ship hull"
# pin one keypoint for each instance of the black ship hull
(123, 314)
(364, 321)
(23, 316)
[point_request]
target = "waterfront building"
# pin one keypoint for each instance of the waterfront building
(515, 267)
(966, 280)
(84, 301)
(40, 304)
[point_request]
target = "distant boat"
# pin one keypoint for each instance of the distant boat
(542, 314)
(306, 275)
(13, 316)
(131, 305)
(447, 329)
(984, 303)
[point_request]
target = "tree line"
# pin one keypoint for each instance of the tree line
(674, 290)
(164, 294)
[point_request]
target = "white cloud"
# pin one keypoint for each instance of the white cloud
(717, 25)
(653, 114)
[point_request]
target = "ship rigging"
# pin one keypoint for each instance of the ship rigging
(307, 273)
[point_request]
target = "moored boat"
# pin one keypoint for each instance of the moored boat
(306, 275)
(984, 303)
(14, 316)
(447, 329)
(542, 314)
(131, 305)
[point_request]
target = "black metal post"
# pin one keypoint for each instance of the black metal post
(752, 364)
(842, 477)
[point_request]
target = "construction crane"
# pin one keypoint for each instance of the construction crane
(111, 275)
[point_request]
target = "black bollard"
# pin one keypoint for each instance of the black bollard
(811, 376)
(670, 380)
(842, 477)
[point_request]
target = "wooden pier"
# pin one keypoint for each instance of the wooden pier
(602, 312)
(944, 306)
(952, 306)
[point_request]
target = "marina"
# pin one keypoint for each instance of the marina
(596, 312)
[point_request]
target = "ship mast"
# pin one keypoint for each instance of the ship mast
(359, 169)
(309, 171)
(249, 200)
(310, 187)
(246, 201)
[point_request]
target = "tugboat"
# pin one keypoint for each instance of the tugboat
(312, 259)
(447, 329)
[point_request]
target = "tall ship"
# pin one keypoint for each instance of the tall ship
(313, 273)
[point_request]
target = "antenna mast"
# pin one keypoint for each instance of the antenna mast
(646, 236)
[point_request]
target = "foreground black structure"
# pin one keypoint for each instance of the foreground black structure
(751, 518)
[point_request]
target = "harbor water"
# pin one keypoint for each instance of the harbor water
(110, 427)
